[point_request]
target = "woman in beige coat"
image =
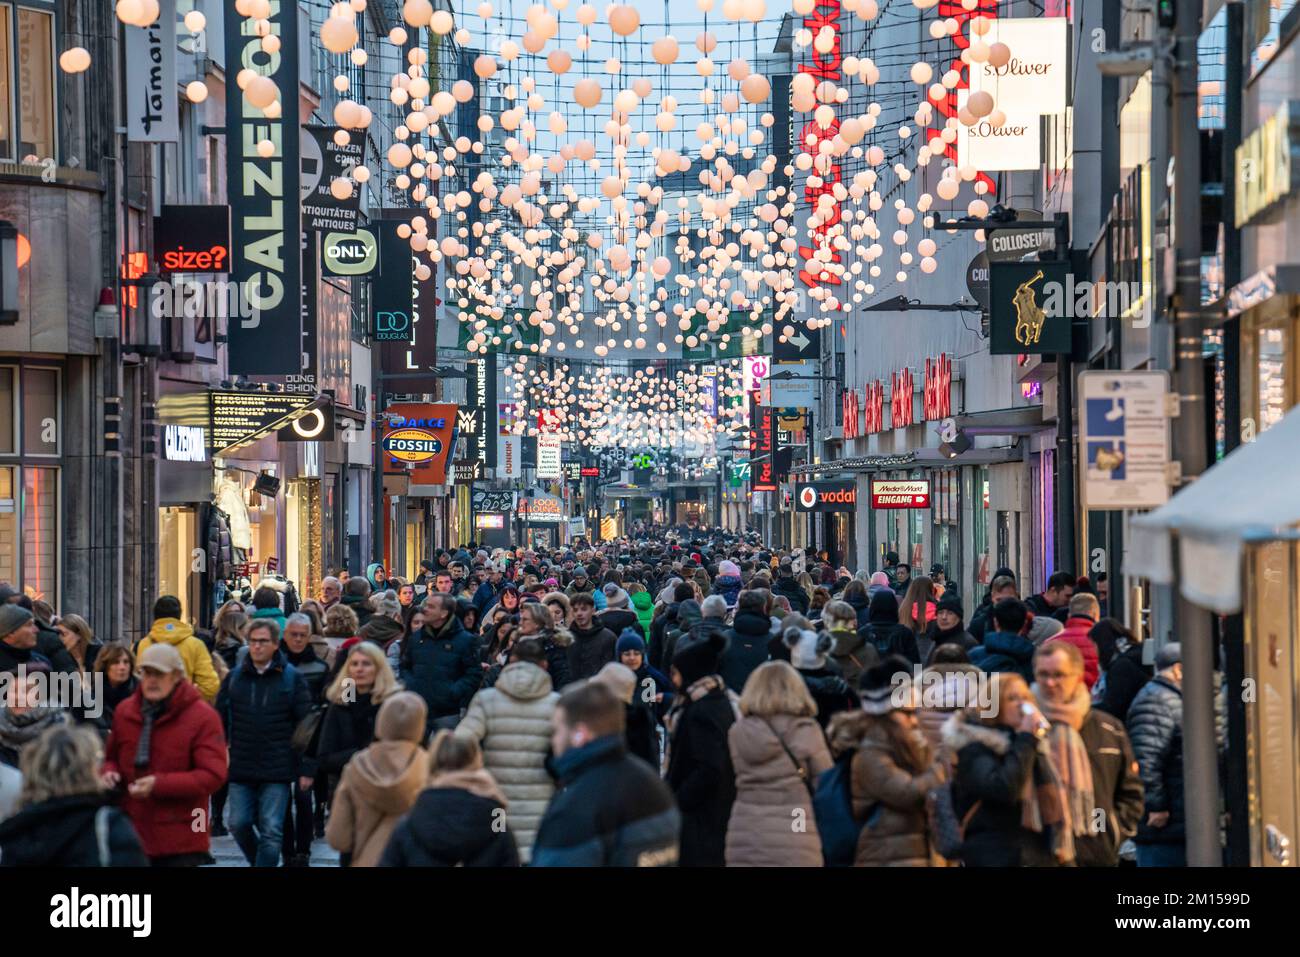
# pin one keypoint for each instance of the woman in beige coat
(380, 784)
(893, 769)
(777, 750)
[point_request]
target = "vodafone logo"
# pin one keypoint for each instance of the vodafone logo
(829, 497)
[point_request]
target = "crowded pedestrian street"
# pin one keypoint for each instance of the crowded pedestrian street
(532, 434)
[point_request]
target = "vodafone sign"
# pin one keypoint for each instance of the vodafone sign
(905, 493)
(839, 496)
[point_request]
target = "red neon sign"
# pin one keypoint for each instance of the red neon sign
(874, 413)
(900, 404)
(938, 388)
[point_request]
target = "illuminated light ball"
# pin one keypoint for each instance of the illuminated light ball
(442, 22)
(195, 21)
(360, 174)
(587, 93)
(948, 189)
(509, 50)
(924, 4)
(926, 247)
(533, 41)
(753, 10)
(196, 91)
(804, 7)
(397, 36)
(359, 56)
(922, 73)
(704, 66)
(929, 264)
(980, 104)
(341, 188)
(999, 55)
(951, 79)
(272, 112)
(978, 52)
(966, 117)
(485, 11)
(642, 87)
(559, 61)
(586, 15)
(261, 92)
(399, 155)
(937, 30)
(336, 34)
(997, 119)
(347, 113)
(980, 26)
(706, 43)
(875, 155)
(904, 132)
(137, 13)
(417, 13)
(665, 50)
(978, 208)
(462, 91)
(611, 186)
(74, 60)
(265, 149)
(738, 70)
(624, 20)
(756, 89)
(557, 124)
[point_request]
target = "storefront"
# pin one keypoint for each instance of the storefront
(541, 516)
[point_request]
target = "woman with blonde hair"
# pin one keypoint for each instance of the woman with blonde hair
(454, 820)
(80, 641)
(380, 784)
(353, 699)
(777, 752)
(67, 818)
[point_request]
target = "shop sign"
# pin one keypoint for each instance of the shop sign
(1013, 245)
(762, 448)
(489, 521)
(492, 500)
(417, 438)
(1035, 80)
(549, 457)
(184, 443)
(264, 198)
(315, 425)
(192, 239)
(323, 161)
(1030, 311)
(839, 496)
(482, 399)
(1124, 439)
(152, 100)
(1266, 169)
(977, 279)
(1015, 145)
(509, 452)
(542, 508)
(900, 493)
(756, 369)
(350, 254)
(589, 471)
(938, 388)
(873, 408)
(824, 66)
(240, 417)
(902, 408)
(392, 302)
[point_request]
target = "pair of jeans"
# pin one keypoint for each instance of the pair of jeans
(1161, 855)
(257, 819)
(299, 825)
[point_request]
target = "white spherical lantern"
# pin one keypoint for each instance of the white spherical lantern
(74, 60)
(417, 13)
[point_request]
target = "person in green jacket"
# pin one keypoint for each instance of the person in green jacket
(643, 604)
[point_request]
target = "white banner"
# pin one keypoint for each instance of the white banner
(1034, 80)
(1123, 439)
(152, 101)
(1015, 145)
(549, 465)
(508, 454)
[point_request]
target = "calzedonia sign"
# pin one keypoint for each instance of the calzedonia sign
(841, 496)
(900, 493)
(264, 198)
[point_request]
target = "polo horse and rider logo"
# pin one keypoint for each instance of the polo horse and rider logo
(1029, 314)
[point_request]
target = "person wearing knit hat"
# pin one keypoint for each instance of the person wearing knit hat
(699, 762)
(618, 613)
(808, 654)
(641, 730)
(17, 638)
(380, 784)
(652, 684)
(728, 583)
(892, 770)
(946, 628)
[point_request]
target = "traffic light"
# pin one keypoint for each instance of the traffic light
(1167, 13)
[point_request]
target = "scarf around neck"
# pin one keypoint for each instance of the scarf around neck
(149, 712)
(1069, 755)
(17, 730)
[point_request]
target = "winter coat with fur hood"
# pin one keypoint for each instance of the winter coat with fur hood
(887, 796)
(769, 791)
(512, 722)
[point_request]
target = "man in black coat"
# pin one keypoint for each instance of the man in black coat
(1116, 788)
(699, 759)
(661, 622)
(593, 643)
(747, 638)
(1002, 587)
(298, 821)
(1155, 723)
(609, 809)
(261, 702)
(441, 663)
(786, 585)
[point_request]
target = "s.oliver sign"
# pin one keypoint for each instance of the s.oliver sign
(900, 493)
(840, 496)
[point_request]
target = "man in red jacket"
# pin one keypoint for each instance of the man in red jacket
(168, 749)
(1084, 613)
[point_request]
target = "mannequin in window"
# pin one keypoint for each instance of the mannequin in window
(230, 499)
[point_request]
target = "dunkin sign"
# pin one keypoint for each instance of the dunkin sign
(839, 496)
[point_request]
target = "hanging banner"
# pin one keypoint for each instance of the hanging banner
(392, 300)
(1028, 308)
(264, 199)
(417, 438)
(152, 97)
(192, 239)
(904, 493)
(1015, 145)
(1124, 439)
(492, 500)
(549, 457)
(418, 352)
(762, 447)
(509, 446)
(323, 161)
(304, 383)
(1035, 80)
(483, 402)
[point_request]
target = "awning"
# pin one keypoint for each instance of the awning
(1250, 496)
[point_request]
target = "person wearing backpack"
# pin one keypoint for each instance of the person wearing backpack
(778, 752)
(892, 770)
